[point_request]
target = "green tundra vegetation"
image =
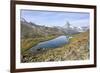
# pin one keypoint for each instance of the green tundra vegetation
(76, 49)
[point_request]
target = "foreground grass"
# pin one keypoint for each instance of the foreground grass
(77, 49)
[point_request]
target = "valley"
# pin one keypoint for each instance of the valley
(32, 34)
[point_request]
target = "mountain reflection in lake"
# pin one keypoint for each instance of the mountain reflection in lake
(54, 43)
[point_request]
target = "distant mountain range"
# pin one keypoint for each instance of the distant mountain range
(31, 30)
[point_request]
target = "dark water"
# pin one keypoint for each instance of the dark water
(54, 43)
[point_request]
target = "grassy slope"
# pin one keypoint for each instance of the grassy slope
(26, 44)
(76, 50)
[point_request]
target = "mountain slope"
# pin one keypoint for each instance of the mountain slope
(32, 34)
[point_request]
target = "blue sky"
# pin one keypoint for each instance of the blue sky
(51, 18)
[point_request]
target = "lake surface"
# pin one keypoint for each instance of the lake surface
(54, 43)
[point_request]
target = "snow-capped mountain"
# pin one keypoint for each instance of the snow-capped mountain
(73, 29)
